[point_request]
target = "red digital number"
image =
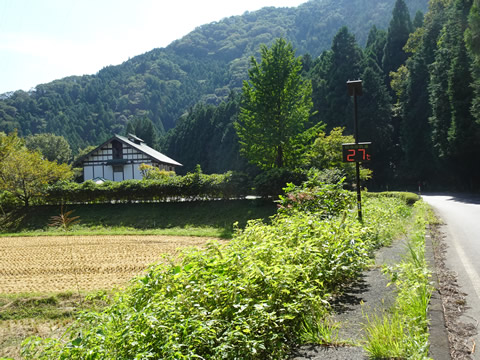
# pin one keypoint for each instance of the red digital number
(363, 151)
(351, 155)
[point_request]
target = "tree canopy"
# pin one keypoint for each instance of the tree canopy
(52, 147)
(25, 174)
(275, 107)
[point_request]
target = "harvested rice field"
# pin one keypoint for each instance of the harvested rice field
(47, 264)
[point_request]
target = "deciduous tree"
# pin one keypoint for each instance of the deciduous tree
(275, 107)
(52, 147)
(26, 174)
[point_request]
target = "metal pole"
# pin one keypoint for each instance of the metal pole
(357, 164)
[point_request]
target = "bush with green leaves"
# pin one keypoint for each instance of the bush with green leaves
(326, 200)
(193, 186)
(271, 182)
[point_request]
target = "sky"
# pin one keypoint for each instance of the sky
(45, 40)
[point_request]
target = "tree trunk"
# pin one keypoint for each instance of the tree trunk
(279, 159)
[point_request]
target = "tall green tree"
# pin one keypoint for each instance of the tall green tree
(206, 136)
(413, 109)
(52, 147)
(418, 20)
(144, 129)
(397, 36)
(375, 125)
(472, 38)
(472, 34)
(375, 45)
(329, 77)
(464, 133)
(25, 174)
(275, 107)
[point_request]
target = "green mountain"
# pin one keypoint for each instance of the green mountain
(204, 66)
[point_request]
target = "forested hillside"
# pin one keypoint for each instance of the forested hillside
(420, 103)
(203, 67)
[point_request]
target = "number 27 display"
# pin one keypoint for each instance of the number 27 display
(360, 152)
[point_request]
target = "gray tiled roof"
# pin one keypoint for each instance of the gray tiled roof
(154, 154)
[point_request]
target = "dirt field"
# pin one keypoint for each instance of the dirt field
(85, 263)
(37, 267)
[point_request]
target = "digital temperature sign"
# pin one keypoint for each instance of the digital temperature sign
(360, 152)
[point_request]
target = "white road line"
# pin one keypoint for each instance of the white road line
(469, 268)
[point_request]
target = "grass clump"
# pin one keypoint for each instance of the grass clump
(48, 306)
(408, 197)
(403, 333)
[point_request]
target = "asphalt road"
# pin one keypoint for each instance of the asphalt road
(461, 216)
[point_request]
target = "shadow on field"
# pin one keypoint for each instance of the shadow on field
(163, 215)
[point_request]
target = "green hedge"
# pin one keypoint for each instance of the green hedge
(194, 186)
(408, 197)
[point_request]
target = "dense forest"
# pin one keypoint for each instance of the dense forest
(419, 66)
(419, 105)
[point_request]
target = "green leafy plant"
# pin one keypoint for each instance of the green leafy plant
(385, 335)
(323, 199)
(320, 330)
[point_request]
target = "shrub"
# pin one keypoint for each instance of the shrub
(246, 300)
(408, 197)
(325, 200)
(272, 182)
(193, 186)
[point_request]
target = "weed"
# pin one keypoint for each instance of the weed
(385, 336)
(65, 220)
(321, 331)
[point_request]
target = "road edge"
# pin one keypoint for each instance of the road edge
(438, 338)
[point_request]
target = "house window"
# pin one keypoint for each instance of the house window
(117, 168)
(117, 150)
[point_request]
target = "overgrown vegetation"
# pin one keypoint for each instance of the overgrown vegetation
(251, 299)
(403, 333)
(193, 186)
(42, 314)
(202, 218)
(50, 306)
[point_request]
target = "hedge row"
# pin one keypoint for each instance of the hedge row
(194, 186)
(408, 197)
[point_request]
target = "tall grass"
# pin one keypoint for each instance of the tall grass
(403, 333)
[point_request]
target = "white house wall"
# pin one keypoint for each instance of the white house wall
(108, 172)
(88, 172)
(96, 164)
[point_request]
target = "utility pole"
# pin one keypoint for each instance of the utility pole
(355, 89)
